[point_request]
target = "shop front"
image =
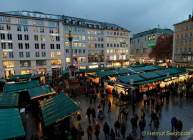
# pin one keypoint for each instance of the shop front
(8, 69)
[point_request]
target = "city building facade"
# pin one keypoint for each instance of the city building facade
(183, 43)
(35, 42)
(143, 42)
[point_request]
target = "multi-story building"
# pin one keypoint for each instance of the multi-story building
(183, 43)
(143, 42)
(35, 42)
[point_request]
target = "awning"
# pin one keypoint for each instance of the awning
(40, 91)
(130, 79)
(145, 68)
(107, 73)
(171, 71)
(9, 101)
(10, 124)
(21, 86)
(57, 108)
(150, 75)
(21, 76)
(123, 71)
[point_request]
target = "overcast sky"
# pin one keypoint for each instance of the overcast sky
(135, 15)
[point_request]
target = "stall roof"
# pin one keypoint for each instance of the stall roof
(21, 76)
(171, 71)
(150, 75)
(9, 101)
(57, 108)
(107, 73)
(40, 91)
(21, 86)
(123, 71)
(150, 81)
(145, 68)
(10, 124)
(130, 79)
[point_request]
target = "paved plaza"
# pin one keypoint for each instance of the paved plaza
(181, 108)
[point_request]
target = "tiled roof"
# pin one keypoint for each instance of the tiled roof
(153, 31)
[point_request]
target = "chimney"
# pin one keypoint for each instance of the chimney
(190, 16)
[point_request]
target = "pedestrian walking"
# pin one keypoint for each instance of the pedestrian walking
(93, 113)
(156, 123)
(142, 124)
(106, 130)
(173, 123)
(97, 131)
(88, 113)
(89, 132)
(179, 125)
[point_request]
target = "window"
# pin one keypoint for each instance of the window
(36, 46)
(95, 45)
(107, 44)
(8, 27)
(51, 46)
(2, 36)
(10, 46)
(57, 46)
(27, 54)
(20, 45)
(1, 27)
(83, 51)
(26, 37)
(43, 54)
(26, 46)
(25, 63)
(57, 38)
(37, 54)
(36, 37)
(75, 51)
(21, 54)
(19, 28)
(40, 62)
(67, 51)
(3, 45)
(41, 29)
(43, 46)
(25, 28)
(19, 36)
(9, 36)
(11, 55)
(51, 30)
(101, 45)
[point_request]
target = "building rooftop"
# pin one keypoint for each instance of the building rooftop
(66, 19)
(153, 31)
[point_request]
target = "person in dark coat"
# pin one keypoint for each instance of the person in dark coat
(93, 113)
(179, 125)
(142, 124)
(88, 113)
(89, 132)
(173, 123)
(106, 130)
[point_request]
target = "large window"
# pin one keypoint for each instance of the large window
(2, 36)
(25, 63)
(40, 62)
(56, 62)
(19, 36)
